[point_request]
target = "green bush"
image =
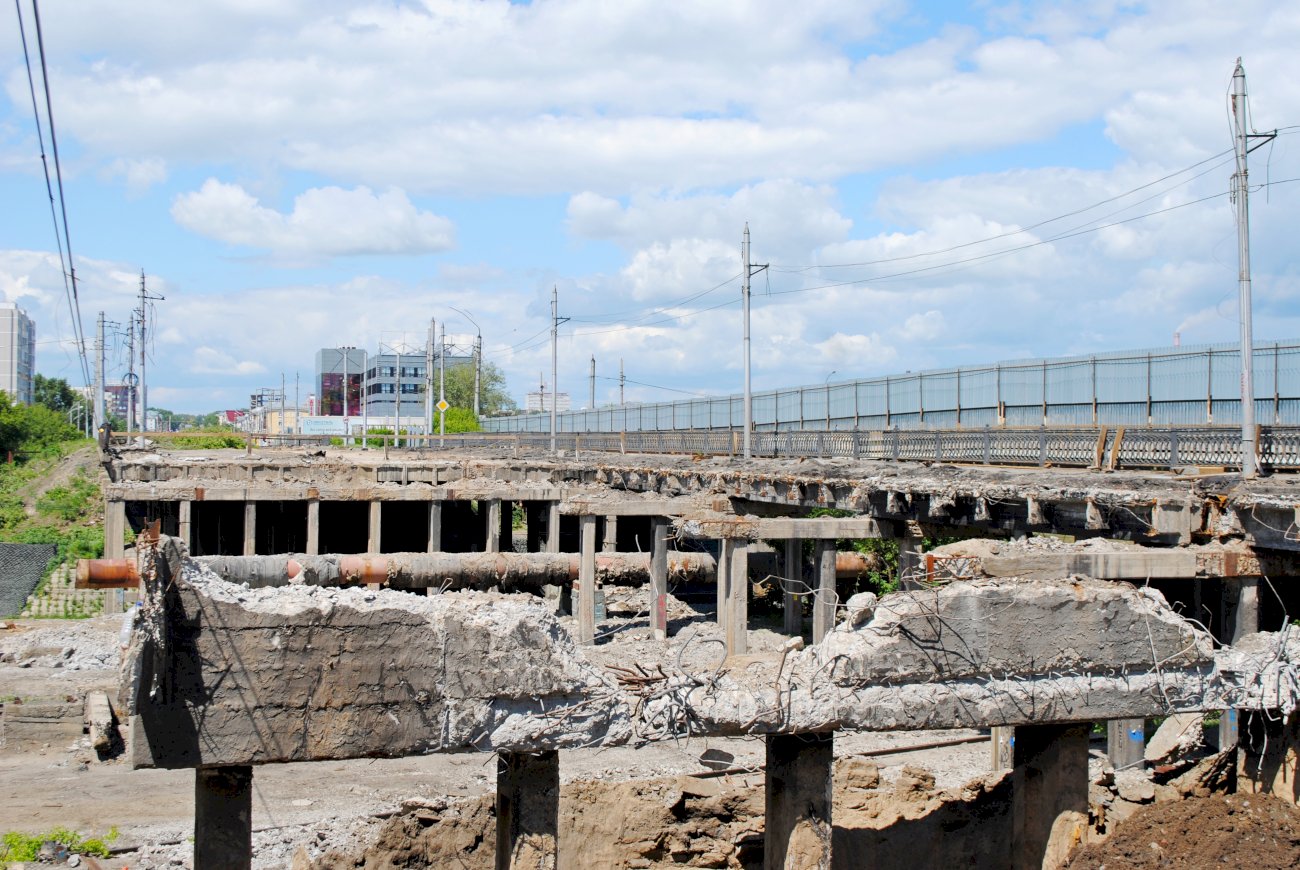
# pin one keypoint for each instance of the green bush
(15, 846)
(70, 503)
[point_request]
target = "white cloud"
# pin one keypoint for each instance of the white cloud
(324, 222)
(210, 361)
(139, 175)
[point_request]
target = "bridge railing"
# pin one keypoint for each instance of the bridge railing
(1078, 447)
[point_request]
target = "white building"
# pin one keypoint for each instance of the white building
(17, 352)
(540, 401)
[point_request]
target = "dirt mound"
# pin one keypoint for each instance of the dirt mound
(1214, 831)
(692, 822)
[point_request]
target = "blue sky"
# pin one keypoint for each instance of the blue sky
(294, 174)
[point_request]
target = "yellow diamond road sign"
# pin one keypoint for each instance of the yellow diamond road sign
(442, 405)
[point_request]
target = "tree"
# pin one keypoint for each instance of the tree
(493, 397)
(55, 394)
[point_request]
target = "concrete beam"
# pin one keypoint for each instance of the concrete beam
(784, 528)
(797, 801)
(1134, 565)
(223, 818)
(1049, 794)
(577, 506)
(528, 810)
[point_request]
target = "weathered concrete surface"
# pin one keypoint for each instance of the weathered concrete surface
(302, 673)
(506, 571)
(231, 675)
(1000, 626)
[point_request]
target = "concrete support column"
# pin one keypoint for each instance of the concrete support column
(313, 527)
(553, 527)
(250, 528)
(435, 527)
(797, 801)
(825, 599)
(114, 530)
(528, 810)
(1240, 618)
(725, 548)
(1049, 794)
(533, 523)
(610, 542)
(223, 818)
(738, 600)
(659, 578)
(507, 526)
(1002, 738)
(376, 527)
(792, 568)
(1126, 742)
(184, 509)
(909, 561)
(493, 526)
(586, 597)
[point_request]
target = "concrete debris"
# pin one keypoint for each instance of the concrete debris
(1179, 736)
(995, 627)
(302, 672)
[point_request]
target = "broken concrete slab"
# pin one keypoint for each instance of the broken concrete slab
(301, 673)
(964, 629)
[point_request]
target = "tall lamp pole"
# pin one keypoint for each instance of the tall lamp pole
(747, 271)
(1241, 193)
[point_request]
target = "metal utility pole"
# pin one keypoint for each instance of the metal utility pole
(478, 356)
(365, 399)
(555, 336)
(621, 381)
(283, 425)
(1240, 193)
(131, 379)
(442, 384)
(99, 372)
(747, 271)
(297, 408)
(591, 402)
(428, 378)
(145, 298)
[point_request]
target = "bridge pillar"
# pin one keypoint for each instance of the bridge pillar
(435, 527)
(909, 561)
(528, 810)
(793, 604)
(1049, 794)
(184, 511)
(609, 543)
(797, 801)
(825, 598)
(586, 588)
(553, 527)
(376, 527)
(223, 818)
(1240, 618)
(250, 528)
(1126, 742)
(723, 575)
(1001, 739)
(737, 603)
(115, 530)
(313, 527)
(659, 578)
(493, 526)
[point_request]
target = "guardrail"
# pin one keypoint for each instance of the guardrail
(1079, 447)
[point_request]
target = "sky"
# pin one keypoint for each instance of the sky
(931, 184)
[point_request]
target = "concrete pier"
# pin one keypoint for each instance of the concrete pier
(250, 528)
(493, 526)
(528, 809)
(792, 568)
(223, 818)
(1049, 794)
(797, 801)
(586, 598)
(825, 599)
(659, 578)
(1126, 742)
(737, 601)
(1240, 618)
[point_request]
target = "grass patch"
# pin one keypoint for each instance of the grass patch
(15, 846)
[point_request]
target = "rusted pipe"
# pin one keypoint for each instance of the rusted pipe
(107, 574)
